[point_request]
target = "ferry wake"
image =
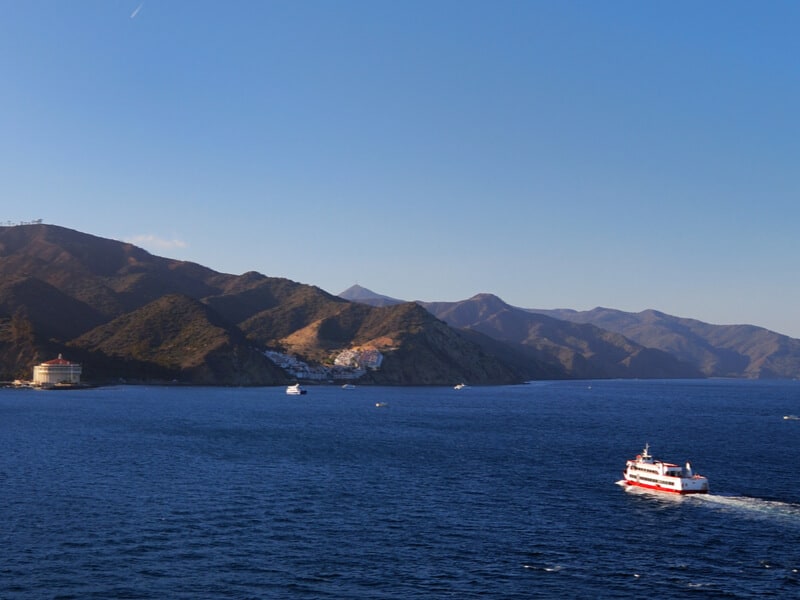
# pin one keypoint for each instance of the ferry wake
(646, 472)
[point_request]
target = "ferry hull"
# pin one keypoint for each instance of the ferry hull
(657, 488)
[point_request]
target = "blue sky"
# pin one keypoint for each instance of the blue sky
(570, 154)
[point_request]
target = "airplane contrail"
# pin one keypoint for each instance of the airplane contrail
(136, 12)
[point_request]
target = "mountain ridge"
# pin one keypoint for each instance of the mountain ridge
(717, 350)
(743, 351)
(584, 350)
(130, 315)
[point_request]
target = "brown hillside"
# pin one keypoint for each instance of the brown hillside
(716, 350)
(579, 350)
(127, 313)
(427, 347)
(185, 338)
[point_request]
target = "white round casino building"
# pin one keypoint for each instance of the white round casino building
(58, 371)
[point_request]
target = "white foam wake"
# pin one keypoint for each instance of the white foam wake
(756, 507)
(743, 505)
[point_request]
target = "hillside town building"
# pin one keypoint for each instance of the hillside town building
(348, 364)
(58, 371)
(363, 358)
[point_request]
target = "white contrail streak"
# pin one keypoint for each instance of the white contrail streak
(136, 12)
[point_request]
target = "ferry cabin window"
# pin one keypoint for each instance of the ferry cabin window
(656, 481)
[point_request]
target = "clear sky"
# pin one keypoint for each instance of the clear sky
(559, 154)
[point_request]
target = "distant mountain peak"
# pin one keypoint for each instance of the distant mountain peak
(358, 293)
(357, 289)
(490, 299)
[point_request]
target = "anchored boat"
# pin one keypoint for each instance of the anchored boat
(646, 472)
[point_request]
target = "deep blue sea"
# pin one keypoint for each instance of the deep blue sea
(495, 492)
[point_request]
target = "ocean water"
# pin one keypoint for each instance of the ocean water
(497, 492)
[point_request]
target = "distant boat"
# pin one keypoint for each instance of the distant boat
(348, 386)
(460, 386)
(791, 418)
(381, 405)
(295, 390)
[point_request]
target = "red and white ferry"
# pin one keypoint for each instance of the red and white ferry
(646, 472)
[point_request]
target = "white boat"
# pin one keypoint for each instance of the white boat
(348, 386)
(791, 418)
(381, 405)
(646, 472)
(295, 390)
(460, 386)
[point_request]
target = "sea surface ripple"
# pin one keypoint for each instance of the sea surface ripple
(497, 492)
